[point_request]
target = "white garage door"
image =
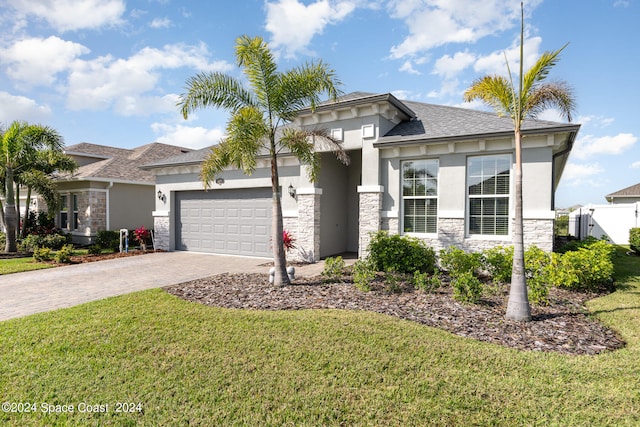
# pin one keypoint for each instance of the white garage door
(235, 222)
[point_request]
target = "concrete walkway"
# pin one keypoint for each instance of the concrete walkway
(31, 292)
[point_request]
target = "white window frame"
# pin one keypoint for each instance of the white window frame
(74, 211)
(434, 197)
(64, 209)
(507, 196)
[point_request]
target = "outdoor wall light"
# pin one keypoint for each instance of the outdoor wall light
(292, 191)
(220, 181)
(161, 196)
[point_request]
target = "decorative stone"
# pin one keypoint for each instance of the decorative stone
(291, 272)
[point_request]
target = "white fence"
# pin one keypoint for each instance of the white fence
(614, 221)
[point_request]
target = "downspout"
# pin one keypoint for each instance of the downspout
(108, 212)
(553, 168)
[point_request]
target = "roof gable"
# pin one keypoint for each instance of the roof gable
(632, 191)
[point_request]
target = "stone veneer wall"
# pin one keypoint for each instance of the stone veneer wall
(392, 225)
(308, 239)
(290, 224)
(161, 231)
(370, 217)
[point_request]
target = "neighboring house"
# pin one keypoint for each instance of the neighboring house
(442, 174)
(626, 195)
(109, 191)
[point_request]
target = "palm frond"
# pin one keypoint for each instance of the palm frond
(541, 69)
(216, 90)
(495, 91)
(557, 95)
(215, 162)
(260, 67)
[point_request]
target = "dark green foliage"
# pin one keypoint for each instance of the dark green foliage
(35, 241)
(466, 287)
(589, 269)
(333, 269)
(63, 255)
(634, 240)
(94, 250)
(108, 240)
(574, 245)
(536, 265)
(42, 254)
(561, 225)
(363, 274)
(400, 254)
(392, 282)
(426, 283)
(456, 261)
(498, 263)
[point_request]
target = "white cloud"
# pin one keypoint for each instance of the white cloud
(71, 15)
(449, 66)
(38, 61)
(187, 136)
(293, 24)
(407, 67)
(160, 23)
(127, 84)
(494, 63)
(22, 108)
(433, 23)
(590, 145)
(635, 165)
(595, 121)
(578, 174)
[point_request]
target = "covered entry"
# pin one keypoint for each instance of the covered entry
(234, 222)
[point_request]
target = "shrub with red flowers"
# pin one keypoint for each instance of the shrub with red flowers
(141, 235)
(289, 241)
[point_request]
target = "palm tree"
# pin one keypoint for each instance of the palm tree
(533, 96)
(18, 146)
(260, 118)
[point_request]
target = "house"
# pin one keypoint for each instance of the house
(109, 191)
(440, 173)
(626, 195)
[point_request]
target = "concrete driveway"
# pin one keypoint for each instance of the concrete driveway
(22, 294)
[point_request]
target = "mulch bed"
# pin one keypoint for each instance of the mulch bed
(564, 326)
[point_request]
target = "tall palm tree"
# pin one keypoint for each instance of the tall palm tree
(18, 146)
(532, 96)
(259, 119)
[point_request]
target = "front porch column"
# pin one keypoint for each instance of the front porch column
(370, 215)
(309, 223)
(161, 230)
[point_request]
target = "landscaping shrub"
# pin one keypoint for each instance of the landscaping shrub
(426, 283)
(31, 243)
(3, 239)
(363, 274)
(498, 262)
(457, 262)
(56, 241)
(536, 265)
(574, 245)
(333, 269)
(400, 254)
(466, 287)
(392, 282)
(94, 250)
(63, 255)
(588, 269)
(634, 240)
(42, 254)
(108, 239)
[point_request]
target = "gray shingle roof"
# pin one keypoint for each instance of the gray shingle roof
(121, 163)
(632, 191)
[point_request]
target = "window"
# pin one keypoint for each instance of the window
(420, 196)
(75, 212)
(64, 212)
(488, 180)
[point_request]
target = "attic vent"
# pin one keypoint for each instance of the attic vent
(336, 134)
(368, 131)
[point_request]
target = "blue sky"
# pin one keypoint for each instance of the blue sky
(110, 71)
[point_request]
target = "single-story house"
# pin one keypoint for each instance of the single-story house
(626, 195)
(440, 173)
(109, 191)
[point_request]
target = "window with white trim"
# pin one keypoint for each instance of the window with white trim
(488, 185)
(76, 223)
(420, 196)
(64, 212)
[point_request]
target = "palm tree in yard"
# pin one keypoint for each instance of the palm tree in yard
(259, 119)
(19, 144)
(533, 95)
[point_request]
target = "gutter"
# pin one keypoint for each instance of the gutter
(567, 150)
(107, 206)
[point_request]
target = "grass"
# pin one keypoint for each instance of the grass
(17, 265)
(189, 364)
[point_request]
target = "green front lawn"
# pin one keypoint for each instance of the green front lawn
(17, 265)
(188, 364)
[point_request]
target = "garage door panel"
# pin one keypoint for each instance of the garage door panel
(236, 222)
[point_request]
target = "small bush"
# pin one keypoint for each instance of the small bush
(536, 265)
(333, 269)
(3, 239)
(31, 243)
(466, 287)
(56, 241)
(457, 262)
(426, 283)
(400, 254)
(108, 240)
(634, 240)
(363, 274)
(588, 269)
(63, 256)
(94, 250)
(42, 254)
(498, 262)
(392, 282)
(574, 245)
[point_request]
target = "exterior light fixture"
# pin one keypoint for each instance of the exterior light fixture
(220, 181)
(292, 191)
(159, 194)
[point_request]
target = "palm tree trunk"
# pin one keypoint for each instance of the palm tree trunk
(25, 224)
(279, 260)
(10, 213)
(518, 306)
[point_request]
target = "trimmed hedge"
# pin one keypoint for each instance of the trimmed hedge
(634, 240)
(401, 254)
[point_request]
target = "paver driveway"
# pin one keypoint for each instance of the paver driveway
(32, 292)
